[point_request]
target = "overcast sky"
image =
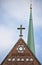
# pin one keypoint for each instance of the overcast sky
(12, 14)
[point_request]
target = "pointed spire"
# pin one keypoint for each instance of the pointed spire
(30, 40)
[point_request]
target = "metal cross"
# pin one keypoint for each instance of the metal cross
(20, 30)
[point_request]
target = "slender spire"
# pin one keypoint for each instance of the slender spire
(30, 40)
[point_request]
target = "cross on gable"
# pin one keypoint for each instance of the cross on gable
(20, 30)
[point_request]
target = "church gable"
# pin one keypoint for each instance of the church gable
(20, 55)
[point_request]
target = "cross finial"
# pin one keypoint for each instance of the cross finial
(20, 30)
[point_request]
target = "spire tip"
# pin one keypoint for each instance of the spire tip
(31, 6)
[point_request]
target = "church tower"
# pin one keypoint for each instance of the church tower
(30, 40)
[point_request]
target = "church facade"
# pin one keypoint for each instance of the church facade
(20, 55)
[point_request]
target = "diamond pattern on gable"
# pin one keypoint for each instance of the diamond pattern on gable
(20, 54)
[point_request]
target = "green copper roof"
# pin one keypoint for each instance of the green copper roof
(30, 40)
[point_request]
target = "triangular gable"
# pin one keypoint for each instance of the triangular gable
(15, 52)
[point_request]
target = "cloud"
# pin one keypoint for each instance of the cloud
(37, 16)
(16, 8)
(19, 10)
(6, 36)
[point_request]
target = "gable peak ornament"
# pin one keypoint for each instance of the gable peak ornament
(21, 28)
